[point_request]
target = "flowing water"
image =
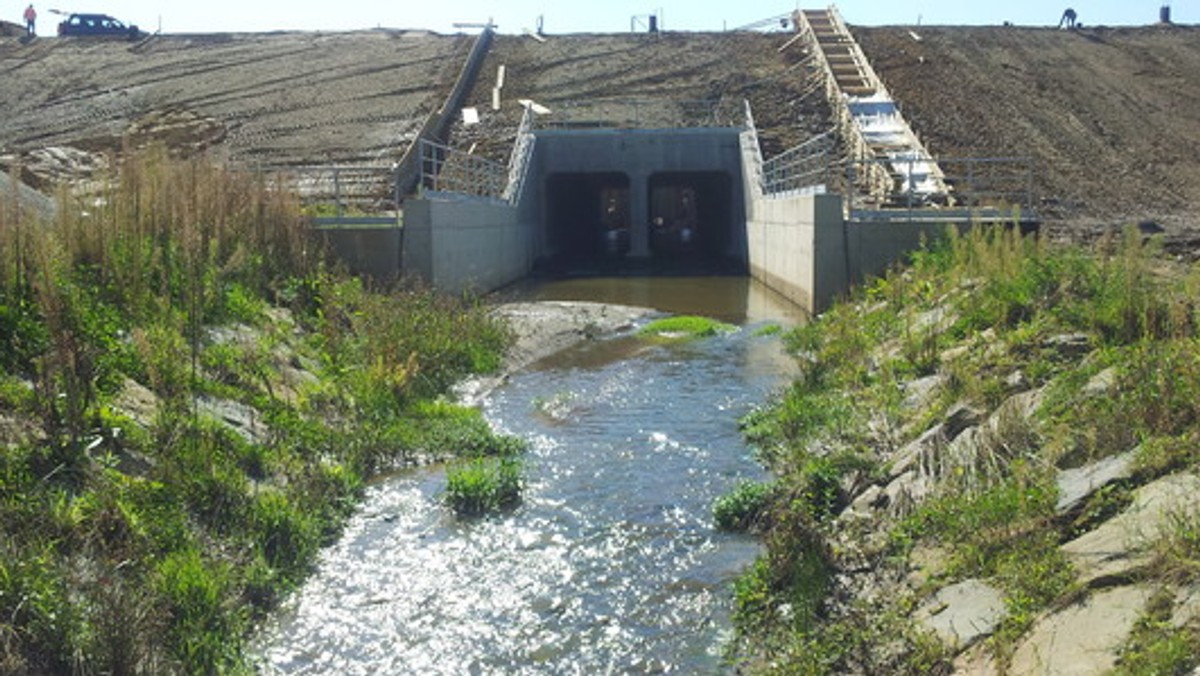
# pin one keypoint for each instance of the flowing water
(611, 564)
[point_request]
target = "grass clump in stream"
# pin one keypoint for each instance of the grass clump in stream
(685, 327)
(481, 486)
(742, 508)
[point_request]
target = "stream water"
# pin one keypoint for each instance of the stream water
(611, 564)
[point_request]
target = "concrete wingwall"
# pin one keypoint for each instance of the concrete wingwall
(803, 247)
(459, 244)
(797, 247)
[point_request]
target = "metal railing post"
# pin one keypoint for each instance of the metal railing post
(337, 192)
(1029, 185)
(909, 180)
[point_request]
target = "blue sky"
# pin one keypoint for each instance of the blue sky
(568, 17)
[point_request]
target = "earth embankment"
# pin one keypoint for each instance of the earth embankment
(648, 80)
(273, 98)
(1111, 116)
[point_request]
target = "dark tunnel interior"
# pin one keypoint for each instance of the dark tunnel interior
(690, 217)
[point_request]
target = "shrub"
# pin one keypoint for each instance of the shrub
(483, 485)
(743, 507)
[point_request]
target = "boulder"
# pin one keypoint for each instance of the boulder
(1069, 346)
(138, 402)
(1075, 486)
(1122, 545)
(1187, 607)
(976, 661)
(921, 392)
(1101, 384)
(1083, 638)
(866, 503)
(243, 419)
(963, 613)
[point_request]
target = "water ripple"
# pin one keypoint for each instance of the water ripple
(611, 564)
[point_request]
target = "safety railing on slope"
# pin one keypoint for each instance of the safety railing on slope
(448, 170)
(436, 124)
(342, 194)
(995, 187)
(802, 169)
(518, 161)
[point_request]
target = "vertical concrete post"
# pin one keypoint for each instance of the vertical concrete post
(639, 214)
(832, 252)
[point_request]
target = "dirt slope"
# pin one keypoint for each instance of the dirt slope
(279, 98)
(1112, 116)
(648, 80)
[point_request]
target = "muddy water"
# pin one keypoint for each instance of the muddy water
(611, 564)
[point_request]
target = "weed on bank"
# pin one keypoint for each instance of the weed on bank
(140, 530)
(985, 315)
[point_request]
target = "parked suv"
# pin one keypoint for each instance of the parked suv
(96, 24)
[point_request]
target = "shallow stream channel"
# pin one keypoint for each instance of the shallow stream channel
(611, 564)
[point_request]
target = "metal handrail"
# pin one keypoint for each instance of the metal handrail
(969, 183)
(519, 160)
(803, 167)
(446, 169)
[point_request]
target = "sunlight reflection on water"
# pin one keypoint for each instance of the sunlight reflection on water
(610, 565)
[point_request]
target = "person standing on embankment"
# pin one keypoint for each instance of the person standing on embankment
(30, 20)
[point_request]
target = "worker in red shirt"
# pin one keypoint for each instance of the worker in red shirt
(30, 20)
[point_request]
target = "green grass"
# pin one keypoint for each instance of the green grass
(743, 507)
(978, 310)
(482, 486)
(685, 327)
(155, 545)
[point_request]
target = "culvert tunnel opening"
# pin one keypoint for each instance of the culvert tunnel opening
(688, 224)
(588, 217)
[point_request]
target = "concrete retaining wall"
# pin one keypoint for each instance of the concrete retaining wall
(797, 247)
(457, 244)
(371, 251)
(874, 247)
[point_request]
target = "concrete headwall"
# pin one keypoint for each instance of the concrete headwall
(640, 154)
(457, 244)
